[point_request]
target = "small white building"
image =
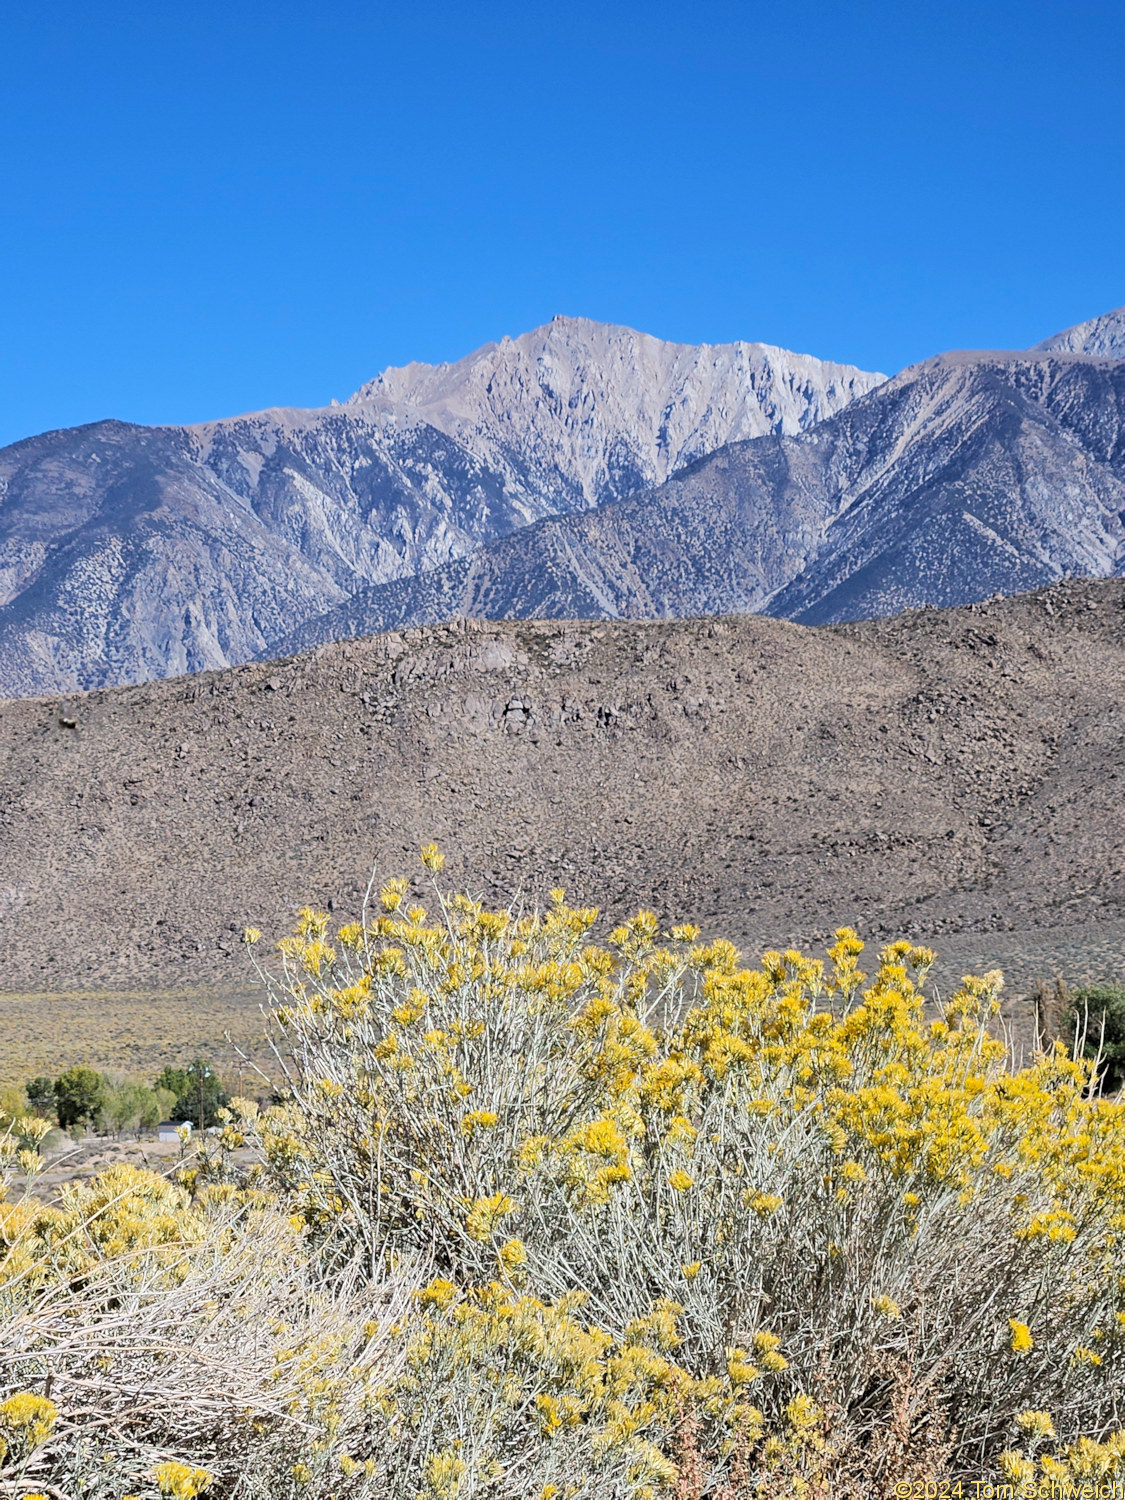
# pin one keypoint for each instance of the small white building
(169, 1130)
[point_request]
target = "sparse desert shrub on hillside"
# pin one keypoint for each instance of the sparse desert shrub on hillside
(510, 1237)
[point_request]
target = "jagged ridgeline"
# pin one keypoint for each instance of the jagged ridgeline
(128, 553)
(582, 470)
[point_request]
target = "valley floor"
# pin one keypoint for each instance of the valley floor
(134, 1033)
(138, 1033)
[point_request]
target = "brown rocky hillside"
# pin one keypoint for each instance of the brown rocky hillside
(955, 775)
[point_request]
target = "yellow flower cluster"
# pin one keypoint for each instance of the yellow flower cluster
(1074, 1468)
(26, 1421)
(507, 1086)
(122, 1211)
(180, 1481)
(635, 1217)
(621, 1398)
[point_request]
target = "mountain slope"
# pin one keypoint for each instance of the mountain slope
(128, 553)
(963, 477)
(122, 560)
(589, 412)
(939, 772)
(1005, 474)
(1103, 336)
(721, 536)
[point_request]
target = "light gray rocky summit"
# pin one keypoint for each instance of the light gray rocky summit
(128, 553)
(965, 476)
(589, 412)
(1103, 336)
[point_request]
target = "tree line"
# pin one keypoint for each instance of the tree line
(81, 1097)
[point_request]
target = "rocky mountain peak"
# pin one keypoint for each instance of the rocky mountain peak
(180, 548)
(1103, 336)
(581, 468)
(614, 409)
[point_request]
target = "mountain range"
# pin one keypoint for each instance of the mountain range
(129, 553)
(581, 470)
(967, 476)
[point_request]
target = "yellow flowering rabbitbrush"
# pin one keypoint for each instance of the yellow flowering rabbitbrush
(633, 1219)
(799, 1153)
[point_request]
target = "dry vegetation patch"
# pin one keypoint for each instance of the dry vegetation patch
(135, 1032)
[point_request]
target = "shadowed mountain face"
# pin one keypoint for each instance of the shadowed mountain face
(964, 477)
(990, 476)
(129, 553)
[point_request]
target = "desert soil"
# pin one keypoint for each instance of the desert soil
(954, 776)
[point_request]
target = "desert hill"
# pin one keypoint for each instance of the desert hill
(948, 774)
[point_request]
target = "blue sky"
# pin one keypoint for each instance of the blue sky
(210, 208)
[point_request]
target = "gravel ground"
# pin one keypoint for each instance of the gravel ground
(952, 776)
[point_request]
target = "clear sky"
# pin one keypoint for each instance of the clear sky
(211, 207)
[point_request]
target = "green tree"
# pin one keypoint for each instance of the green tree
(40, 1095)
(199, 1095)
(80, 1095)
(158, 1105)
(1095, 1020)
(123, 1105)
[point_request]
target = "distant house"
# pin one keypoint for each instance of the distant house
(169, 1130)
